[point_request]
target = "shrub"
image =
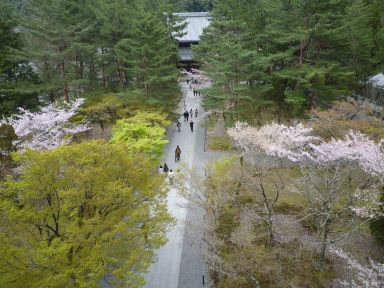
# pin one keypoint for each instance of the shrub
(143, 132)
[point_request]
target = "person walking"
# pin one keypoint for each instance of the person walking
(178, 124)
(177, 154)
(191, 125)
(196, 112)
(191, 112)
(171, 174)
(165, 169)
(161, 170)
(186, 115)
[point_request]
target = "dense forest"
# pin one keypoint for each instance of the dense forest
(295, 54)
(65, 48)
(89, 90)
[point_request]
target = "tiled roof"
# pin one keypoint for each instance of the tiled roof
(377, 80)
(196, 22)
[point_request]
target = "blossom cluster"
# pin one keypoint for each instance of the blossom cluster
(368, 203)
(273, 139)
(46, 129)
(298, 145)
(372, 276)
(355, 147)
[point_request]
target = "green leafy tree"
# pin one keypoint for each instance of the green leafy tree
(78, 214)
(142, 132)
(104, 110)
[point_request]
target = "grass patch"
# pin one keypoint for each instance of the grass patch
(286, 208)
(220, 143)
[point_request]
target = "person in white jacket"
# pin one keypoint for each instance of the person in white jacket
(171, 174)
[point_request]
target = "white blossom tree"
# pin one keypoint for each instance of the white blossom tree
(369, 156)
(371, 276)
(272, 139)
(48, 128)
(323, 165)
(267, 143)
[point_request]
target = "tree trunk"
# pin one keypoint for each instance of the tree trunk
(301, 52)
(103, 68)
(66, 94)
(324, 242)
(311, 100)
(81, 70)
(270, 229)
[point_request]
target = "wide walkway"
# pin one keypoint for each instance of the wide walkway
(165, 272)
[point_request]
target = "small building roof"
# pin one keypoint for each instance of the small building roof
(377, 80)
(196, 22)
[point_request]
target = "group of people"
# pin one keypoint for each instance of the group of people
(169, 172)
(186, 114)
(164, 169)
(186, 119)
(196, 93)
(192, 80)
(190, 113)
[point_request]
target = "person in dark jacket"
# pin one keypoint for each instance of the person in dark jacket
(165, 169)
(177, 154)
(178, 125)
(191, 125)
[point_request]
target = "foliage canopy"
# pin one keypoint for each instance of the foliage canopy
(143, 132)
(80, 213)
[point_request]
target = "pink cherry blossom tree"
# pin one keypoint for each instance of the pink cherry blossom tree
(48, 128)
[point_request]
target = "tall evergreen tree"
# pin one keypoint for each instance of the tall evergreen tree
(17, 78)
(289, 52)
(151, 57)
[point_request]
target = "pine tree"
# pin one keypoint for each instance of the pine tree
(150, 57)
(52, 28)
(17, 78)
(289, 52)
